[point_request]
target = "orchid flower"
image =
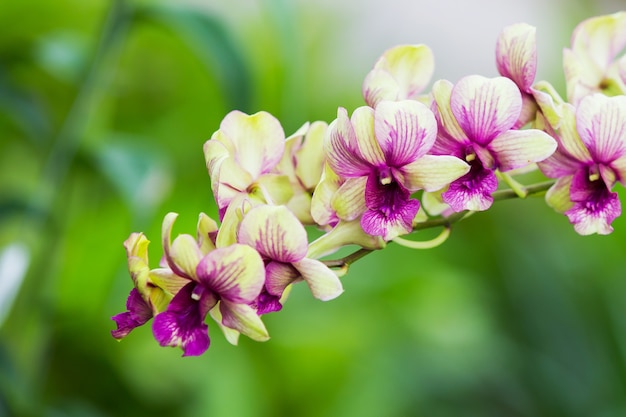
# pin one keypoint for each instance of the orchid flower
(276, 234)
(401, 73)
(303, 163)
(241, 157)
(593, 63)
(476, 118)
(382, 155)
(590, 159)
(231, 276)
(516, 59)
(152, 291)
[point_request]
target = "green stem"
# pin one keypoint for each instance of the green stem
(447, 222)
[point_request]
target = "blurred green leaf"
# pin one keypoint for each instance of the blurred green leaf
(141, 174)
(63, 54)
(23, 110)
(211, 42)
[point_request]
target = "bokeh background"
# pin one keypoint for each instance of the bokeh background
(104, 108)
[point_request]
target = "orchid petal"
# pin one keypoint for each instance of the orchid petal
(273, 189)
(207, 233)
(367, 144)
(409, 66)
(168, 282)
(139, 312)
(258, 140)
(323, 282)
(406, 130)
(549, 101)
(558, 196)
(595, 206)
(485, 107)
(519, 148)
(275, 233)
(472, 191)
(390, 225)
(236, 273)
(183, 254)
(310, 157)
(321, 209)
(244, 319)
(432, 172)
(182, 324)
(516, 54)
(442, 93)
(619, 167)
(349, 200)
(380, 85)
(137, 252)
(231, 335)
(601, 123)
(278, 275)
(341, 148)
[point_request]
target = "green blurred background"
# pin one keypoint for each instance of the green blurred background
(104, 107)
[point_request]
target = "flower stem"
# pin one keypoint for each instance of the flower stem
(519, 192)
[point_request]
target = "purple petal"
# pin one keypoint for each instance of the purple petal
(595, 206)
(601, 123)
(473, 190)
(406, 130)
(235, 273)
(139, 312)
(516, 54)
(278, 276)
(275, 232)
(485, 107)
(341, 148)
(182, 324)
(390, 209)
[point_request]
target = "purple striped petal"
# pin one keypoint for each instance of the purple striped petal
(473, 190)
(595, 206)
(485, 107)
(182, 324)
(139, 312)
(519, 148)
(234, 273)
(275, 233)
(516, 54)
(601, 123)
(390, 209)
(406, 130)
(451, 139)
(341, 148)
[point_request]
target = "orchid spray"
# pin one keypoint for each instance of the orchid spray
(408, 160)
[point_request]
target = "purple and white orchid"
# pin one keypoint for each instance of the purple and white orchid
(280, 238)
(590, 159)
(382, 154)
(229, 278)
(476, 118)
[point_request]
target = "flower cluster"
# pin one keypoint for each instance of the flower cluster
(392, 166)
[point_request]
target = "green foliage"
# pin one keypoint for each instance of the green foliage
(104, 107)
